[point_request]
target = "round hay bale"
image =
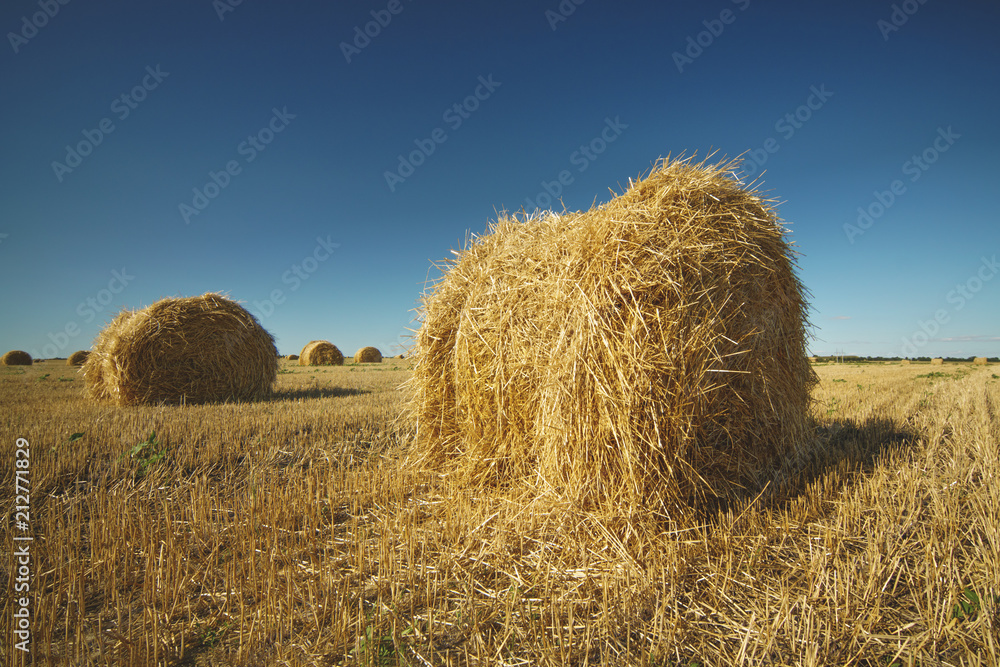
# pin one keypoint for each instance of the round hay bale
(16, 358)
(368, 355)
(649, 352)
(293, 357)
(182, 350)
(979, 361)
(77, 358)
(937, 362)
(905, 362)
(321, 353)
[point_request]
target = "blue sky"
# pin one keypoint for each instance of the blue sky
(160, 149)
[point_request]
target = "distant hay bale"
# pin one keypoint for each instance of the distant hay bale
(367, 355)
(77, 358)
(649, 352)
(321, 353)
(812, 360)
(979, 361)
(293, 357)
(182, 350)
(16, 358)
(937, 362)
(400, 356)
(905, 362)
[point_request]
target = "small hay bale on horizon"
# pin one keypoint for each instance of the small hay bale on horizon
(368, 355)
(937, 362)
(980, 361)
(182, 350)
(16, 358)
(645, 355)
(293, 357)
(905, 362)
(77, 358)
(321, 353)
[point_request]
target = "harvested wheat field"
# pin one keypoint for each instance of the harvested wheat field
(182, 350)
(289, 531)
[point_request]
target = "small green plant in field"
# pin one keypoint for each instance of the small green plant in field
(934, 374)
(62, 379)
(147, 453)
(212, 636)
(72, 438)
(377, 650)
(996, 377)
(969, 605)
(44, 377)
(834, 404)
(839, 380)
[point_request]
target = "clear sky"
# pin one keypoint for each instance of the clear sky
(311, 159)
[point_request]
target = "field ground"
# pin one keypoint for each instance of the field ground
(292, 532)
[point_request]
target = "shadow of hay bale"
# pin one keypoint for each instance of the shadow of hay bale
(315, 392)
(848, 446)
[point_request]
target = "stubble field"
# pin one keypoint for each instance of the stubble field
(293, 532)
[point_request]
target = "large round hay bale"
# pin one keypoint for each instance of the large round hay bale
(905, 362)
(77, 358)
(293, 357)
(979, 361)
(182, 350)
(650, 351)
(16, 358)
(937, 362)
(321, 353)
(368, 355)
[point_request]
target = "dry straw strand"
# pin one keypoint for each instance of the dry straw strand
(367, 355)
(648, 353)
(321, 353)
(77, 358)
(182, 350)
(17, 358)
